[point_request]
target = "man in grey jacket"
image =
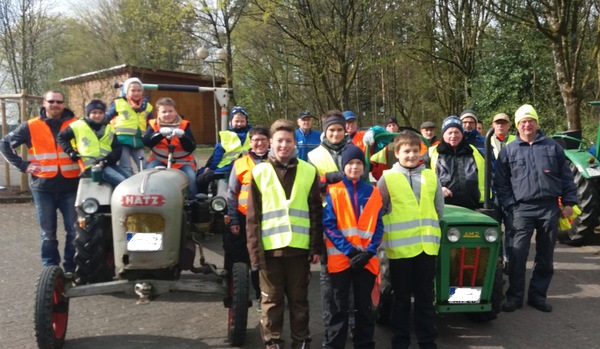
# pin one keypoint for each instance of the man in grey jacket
(531, 174)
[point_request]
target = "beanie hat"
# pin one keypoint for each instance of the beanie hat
(525, 111)
(238, 110)
(391, 121)
(351, 152)
(468, 113)
(95, 104)
(349, 115)
(451, 121)
(332, 120)
(129, 82)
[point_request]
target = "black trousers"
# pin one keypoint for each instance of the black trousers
(543, 217)
(362, 282)
(413, 276)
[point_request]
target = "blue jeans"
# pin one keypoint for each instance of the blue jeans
(114, 174)
(46, 205)
(187, 169)
(127, 153)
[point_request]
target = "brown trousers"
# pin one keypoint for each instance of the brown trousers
(285, 276)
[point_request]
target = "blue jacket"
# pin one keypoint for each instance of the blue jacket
(306, 142)
(359, 192)
(218, 153)
(530, 173)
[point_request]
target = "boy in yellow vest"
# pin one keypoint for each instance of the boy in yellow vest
(285, 234)
(91, 138)
(413, 204)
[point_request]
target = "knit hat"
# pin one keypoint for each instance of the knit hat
(351, 152)
(237, 110)
(95, 104)
(525, 111)
(391, 121)
(349, 115)
(468, 113)
(332, 120)
(129, 82)
(451, 121)
(304, 114)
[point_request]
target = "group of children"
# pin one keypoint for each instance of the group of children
(323, 210)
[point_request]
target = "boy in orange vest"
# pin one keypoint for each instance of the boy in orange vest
(234, 239)
(170, 128)
(353, 225)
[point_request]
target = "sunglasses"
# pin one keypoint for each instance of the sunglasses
(54, 102)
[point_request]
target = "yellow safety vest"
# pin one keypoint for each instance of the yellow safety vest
(479, 162)
(128, 121)
(87, 143)
(232, 146)
(412, 227)
(284, 223)
(322, 160)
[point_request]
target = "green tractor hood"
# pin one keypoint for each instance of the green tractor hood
(456, 215)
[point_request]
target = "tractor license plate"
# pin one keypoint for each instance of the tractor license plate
(593, 171)
(144, 242)
(465, 295)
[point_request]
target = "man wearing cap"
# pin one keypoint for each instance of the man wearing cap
(307, 139)
(531, 174)
(458, 165)
(391, 125)
(469, 124)
(352, 134)
(428, 131)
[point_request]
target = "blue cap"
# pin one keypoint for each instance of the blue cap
(349, 115)
(237, 110)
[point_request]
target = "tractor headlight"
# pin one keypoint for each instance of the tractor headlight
(218, 204)
(491, 235)
(453, 234)
(90, 206)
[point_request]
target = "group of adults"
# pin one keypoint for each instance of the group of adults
(530, 176)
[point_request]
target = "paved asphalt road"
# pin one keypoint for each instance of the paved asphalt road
(192, 321)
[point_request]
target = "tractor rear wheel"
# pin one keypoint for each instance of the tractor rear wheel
(238, 313)
(588, 199)
(93, 252)
(51, 313)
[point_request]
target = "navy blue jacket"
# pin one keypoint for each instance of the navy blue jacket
(305, 142)
(533, 173)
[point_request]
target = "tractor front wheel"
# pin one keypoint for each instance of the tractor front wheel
(588, 200)
(51, 313)
(238, 313)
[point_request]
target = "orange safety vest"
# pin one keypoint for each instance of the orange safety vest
(45, 151)
(161, 151)
(243, 170)
(357, 140)
(357, 233)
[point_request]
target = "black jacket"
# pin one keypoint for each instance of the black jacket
(21, 135)
(533, 173)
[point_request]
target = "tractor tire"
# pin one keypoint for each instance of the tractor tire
(496, 299)
(93, 252)
(238, 313)
(51, 313)
(589, 202)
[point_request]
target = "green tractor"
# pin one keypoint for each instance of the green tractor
(469, 276)
(584, 163)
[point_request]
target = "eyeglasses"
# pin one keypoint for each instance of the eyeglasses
(258, 140)
(54, 102)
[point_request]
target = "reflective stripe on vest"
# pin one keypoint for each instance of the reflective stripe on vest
(322, 160)
(412, 227)
(161, 151)
(45, 151)
(128, 121)
(87, 143)
(232, 146)
(358, 233)
(479, 163)
(284, 223)
(243, 170)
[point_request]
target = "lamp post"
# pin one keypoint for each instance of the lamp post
(221, 55)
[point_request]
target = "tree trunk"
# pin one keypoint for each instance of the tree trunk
(568, 92)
